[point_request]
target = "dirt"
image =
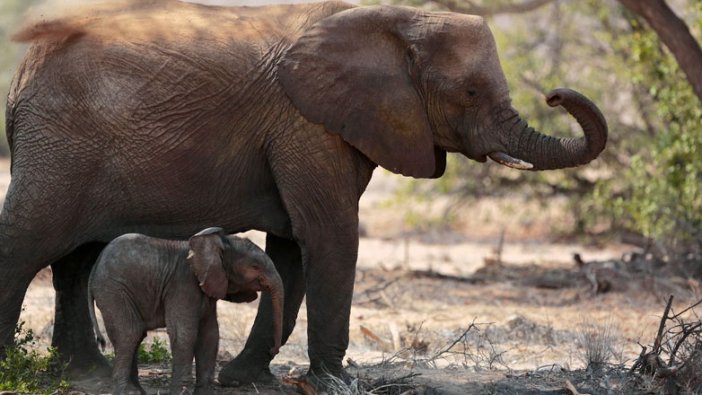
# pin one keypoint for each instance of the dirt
(445, 311)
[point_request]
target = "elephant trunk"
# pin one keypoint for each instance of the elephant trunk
(270, 279)
(528, 149)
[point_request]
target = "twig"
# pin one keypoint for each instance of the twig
(458, 339)
(686, 332)
(657, 343)
(687, 309)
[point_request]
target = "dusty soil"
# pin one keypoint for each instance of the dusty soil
(441, 311)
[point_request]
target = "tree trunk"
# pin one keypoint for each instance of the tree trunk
(675, 34)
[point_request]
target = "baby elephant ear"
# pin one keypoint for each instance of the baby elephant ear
(205, 259)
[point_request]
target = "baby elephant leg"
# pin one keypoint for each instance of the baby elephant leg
(206, 351)
(183, 336)
(125, 339)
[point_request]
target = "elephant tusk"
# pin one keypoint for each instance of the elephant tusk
(506, 160)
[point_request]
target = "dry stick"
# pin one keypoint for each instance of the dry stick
(686, 332)
(500, 246)
(572, 389)
(659, 338)
(687, 309)
(458, 339)
(379, 289)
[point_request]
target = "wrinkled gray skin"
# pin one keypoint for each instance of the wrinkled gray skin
(170, 116)
(142, 283)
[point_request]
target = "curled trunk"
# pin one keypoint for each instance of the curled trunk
(529, 149)
(274, 286)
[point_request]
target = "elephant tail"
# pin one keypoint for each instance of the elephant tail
(91, 306)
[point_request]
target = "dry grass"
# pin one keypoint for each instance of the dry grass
(600, 344)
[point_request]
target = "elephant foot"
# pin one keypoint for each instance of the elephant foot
(94, 367)
(242, 371)
(325, 381)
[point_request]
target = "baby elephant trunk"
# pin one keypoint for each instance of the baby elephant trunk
(274, 285)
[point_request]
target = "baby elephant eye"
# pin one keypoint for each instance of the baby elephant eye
(471, 92)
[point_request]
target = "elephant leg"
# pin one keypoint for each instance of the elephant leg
(73, 331)
(183, 342)
(23, 253)
(126, 332)
(252, 363)
(11, 297)
(134, 371)
(124, 377)
(206, 351)
(330, 268)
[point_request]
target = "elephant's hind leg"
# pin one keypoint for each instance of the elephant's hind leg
(16, 280)
(126, 330)
(25, 249)
(251, 365)
(73, 332)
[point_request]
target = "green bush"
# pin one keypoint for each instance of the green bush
(25, 370)
(157, 352)
(660, 193)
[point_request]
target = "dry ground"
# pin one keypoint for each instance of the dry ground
(436, 311)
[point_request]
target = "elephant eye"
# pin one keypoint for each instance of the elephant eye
(471, 92)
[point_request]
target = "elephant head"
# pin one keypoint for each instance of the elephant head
(405, 86)
(234, 269)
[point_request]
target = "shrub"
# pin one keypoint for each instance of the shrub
(157, 352)
(25, 370)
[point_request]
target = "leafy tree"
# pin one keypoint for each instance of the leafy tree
(660, 193)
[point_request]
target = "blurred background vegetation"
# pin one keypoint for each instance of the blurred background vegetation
(11, 12)
(647, 186)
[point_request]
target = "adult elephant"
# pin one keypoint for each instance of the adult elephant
(167, 117)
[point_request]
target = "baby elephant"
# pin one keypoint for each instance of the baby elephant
(141, 283)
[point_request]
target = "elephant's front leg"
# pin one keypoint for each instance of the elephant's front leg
(206, 350)
(330, 266)
(252, 363)
(182, 326)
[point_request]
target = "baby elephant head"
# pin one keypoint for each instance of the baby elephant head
(234, 269)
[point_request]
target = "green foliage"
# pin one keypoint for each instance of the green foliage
(25, 370)
(157, 352)
(660, 193)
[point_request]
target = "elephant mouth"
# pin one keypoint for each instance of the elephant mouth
(510, 161)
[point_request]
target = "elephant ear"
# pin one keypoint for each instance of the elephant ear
(352, 72)
(205, 260)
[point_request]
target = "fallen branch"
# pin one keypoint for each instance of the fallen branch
(572, 389)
